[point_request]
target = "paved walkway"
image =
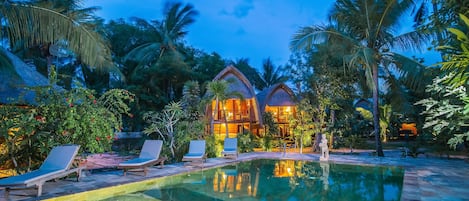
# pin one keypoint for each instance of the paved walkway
(425, 178)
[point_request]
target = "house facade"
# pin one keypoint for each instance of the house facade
(241, 114)
(279, 101)
(245, 114)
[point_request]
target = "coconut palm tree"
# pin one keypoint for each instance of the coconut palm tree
(162, 51)
(366, 28)
(219, 91)
(30, 25)
(166, 33)
(270, 75)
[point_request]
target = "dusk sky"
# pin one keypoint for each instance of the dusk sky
(233, 28)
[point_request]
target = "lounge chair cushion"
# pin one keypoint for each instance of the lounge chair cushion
(196, 151)
(197, 147)
(137, 162)
(149, 155)
(57, 164)
(26, 178)
(229, 150)
(194, 155)
(230, 146)
(151, 149)
(60, 157)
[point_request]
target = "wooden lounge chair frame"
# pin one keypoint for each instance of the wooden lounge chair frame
(230, 148)
(149, 156)
(49, 170)
(196, 154)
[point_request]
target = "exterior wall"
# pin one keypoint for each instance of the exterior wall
(241, 115)
(279, 100)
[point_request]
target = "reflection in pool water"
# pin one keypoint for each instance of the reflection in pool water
(280, 180)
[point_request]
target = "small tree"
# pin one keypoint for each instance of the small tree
(164, 124)
(270, 130)
(302, 125)
(385, 112)
(218, 91)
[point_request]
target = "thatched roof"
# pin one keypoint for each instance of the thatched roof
(241, 85)
(14, 86)
(363, 103)
(239, 82)
(276, 95)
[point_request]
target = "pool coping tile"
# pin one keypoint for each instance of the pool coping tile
(424, 178)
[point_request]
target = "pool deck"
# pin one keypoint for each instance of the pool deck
(426, 178)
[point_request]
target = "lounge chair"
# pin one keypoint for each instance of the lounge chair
(149, 156)
(230, 148)
(196, 152)
(58, 164)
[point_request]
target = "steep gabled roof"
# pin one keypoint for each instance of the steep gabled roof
(14, 86)
(277, 95)
(240, 83)
(363, 103)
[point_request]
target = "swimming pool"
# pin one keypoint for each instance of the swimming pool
(278, 180)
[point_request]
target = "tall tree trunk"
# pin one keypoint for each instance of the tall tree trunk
(225, 119)
(379, 148)
(331, 142)
(214, 112)
(317, 140)
(301, 141)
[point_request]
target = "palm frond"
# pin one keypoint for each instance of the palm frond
(397, 96)
(411, 72)
(306, 37)
(35, 25)
(145, 53)
(414, 40)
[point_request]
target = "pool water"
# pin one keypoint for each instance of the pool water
(280, 180)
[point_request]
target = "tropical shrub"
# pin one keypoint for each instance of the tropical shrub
(446, 111)
(445, 114)
(214, 146)
(303, 126)
(246, 142)
(60, 117)
(19, 144)
(271, 129)
(164, 125)
(79, 117)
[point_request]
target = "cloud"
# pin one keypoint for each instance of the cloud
(241, 10)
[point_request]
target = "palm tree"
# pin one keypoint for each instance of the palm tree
(166, 33)
(51, 25)
(218, 91)
(161, 51)
(270, 75)
(365, 28)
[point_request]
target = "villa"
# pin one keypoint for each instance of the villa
(246, 114)
(279, 100)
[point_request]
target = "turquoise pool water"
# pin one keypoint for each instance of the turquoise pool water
(280, 180)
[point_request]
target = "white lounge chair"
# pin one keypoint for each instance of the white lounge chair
(196, 152)
(149, 156)
(58, 164)
(230, 148)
